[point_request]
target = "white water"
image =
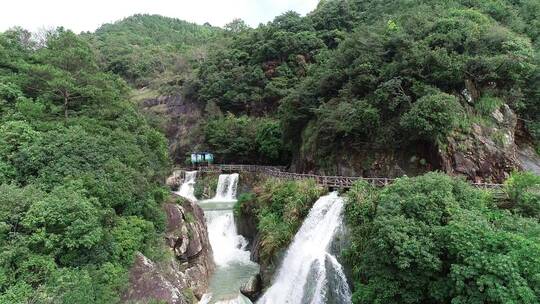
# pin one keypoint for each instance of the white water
(226, 188)
(228, 246)
(309, 273)
(230, 255)
(187, 189)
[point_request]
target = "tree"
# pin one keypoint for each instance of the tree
(433, 116)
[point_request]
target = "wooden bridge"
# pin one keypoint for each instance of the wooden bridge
(328, 181)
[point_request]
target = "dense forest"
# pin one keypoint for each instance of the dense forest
(388, 76)
(82, 168)
(80, 174)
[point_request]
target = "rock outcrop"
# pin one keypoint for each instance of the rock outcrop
(182, 119)
(488, 153)
(182, 277)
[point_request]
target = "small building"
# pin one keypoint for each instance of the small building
(200, 158)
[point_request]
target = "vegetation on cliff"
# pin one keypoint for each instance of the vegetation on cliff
(390, 76)
(280, 208)
(152, 50)
(436, 239)
(80, 174)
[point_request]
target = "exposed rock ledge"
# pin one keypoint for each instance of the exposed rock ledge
(183, 275)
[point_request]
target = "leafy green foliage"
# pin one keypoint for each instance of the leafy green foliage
(281, 206)
(523, 189)
(245, 139)
(152, 49)
(432, 116)
(436, 239)
(80, 174)
(356, 73)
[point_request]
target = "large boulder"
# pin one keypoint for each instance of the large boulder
(148, 283)
(252, 288)
(488, 153)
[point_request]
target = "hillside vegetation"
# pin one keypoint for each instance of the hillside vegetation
(434, 239)
(152, 50)
(80, 174)
(374, 75)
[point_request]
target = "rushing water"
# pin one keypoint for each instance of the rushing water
(187, 189)
(232, 259)
(226, 188)
(309, 273)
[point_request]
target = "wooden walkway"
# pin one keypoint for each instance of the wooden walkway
(341, 182)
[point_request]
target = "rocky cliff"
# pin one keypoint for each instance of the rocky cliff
(181, 122)
(183, 276)
(488, 149)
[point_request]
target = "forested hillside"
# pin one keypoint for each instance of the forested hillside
(151, 50)
(80, 174)
(368, 76)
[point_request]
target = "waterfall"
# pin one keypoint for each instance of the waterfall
(309, 273)
(230, 255)
(228, 246)
(226, 188)
(187, 189)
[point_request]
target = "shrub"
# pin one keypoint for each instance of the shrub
(487, 104)
(433, 116)
(282, 206)
(435, 239)
(523, 189)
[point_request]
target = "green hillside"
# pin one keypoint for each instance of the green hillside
(142, 48)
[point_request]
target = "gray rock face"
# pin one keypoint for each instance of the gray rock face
(182, 123)
(148, 282)
(174, 181)
(186, 272)
(488, 153)
(530, 161)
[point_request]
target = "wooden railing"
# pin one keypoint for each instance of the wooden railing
(328, 181)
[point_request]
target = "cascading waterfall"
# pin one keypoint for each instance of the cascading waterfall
(309, 273)
(232, 259)
(187, 189)
(226, 188)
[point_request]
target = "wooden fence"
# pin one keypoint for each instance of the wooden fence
(328, 181)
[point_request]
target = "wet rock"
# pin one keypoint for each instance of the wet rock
(252, 288)
(174, 181)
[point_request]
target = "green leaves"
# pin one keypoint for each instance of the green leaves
(433, 116)
(64, 220)
(249, 139)
(80, 173)
(436, 239)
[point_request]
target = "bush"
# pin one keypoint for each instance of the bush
(433, 117)
(435, 239)
(244, 139)
(523, 189)
(281, 208)
(487, 105)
